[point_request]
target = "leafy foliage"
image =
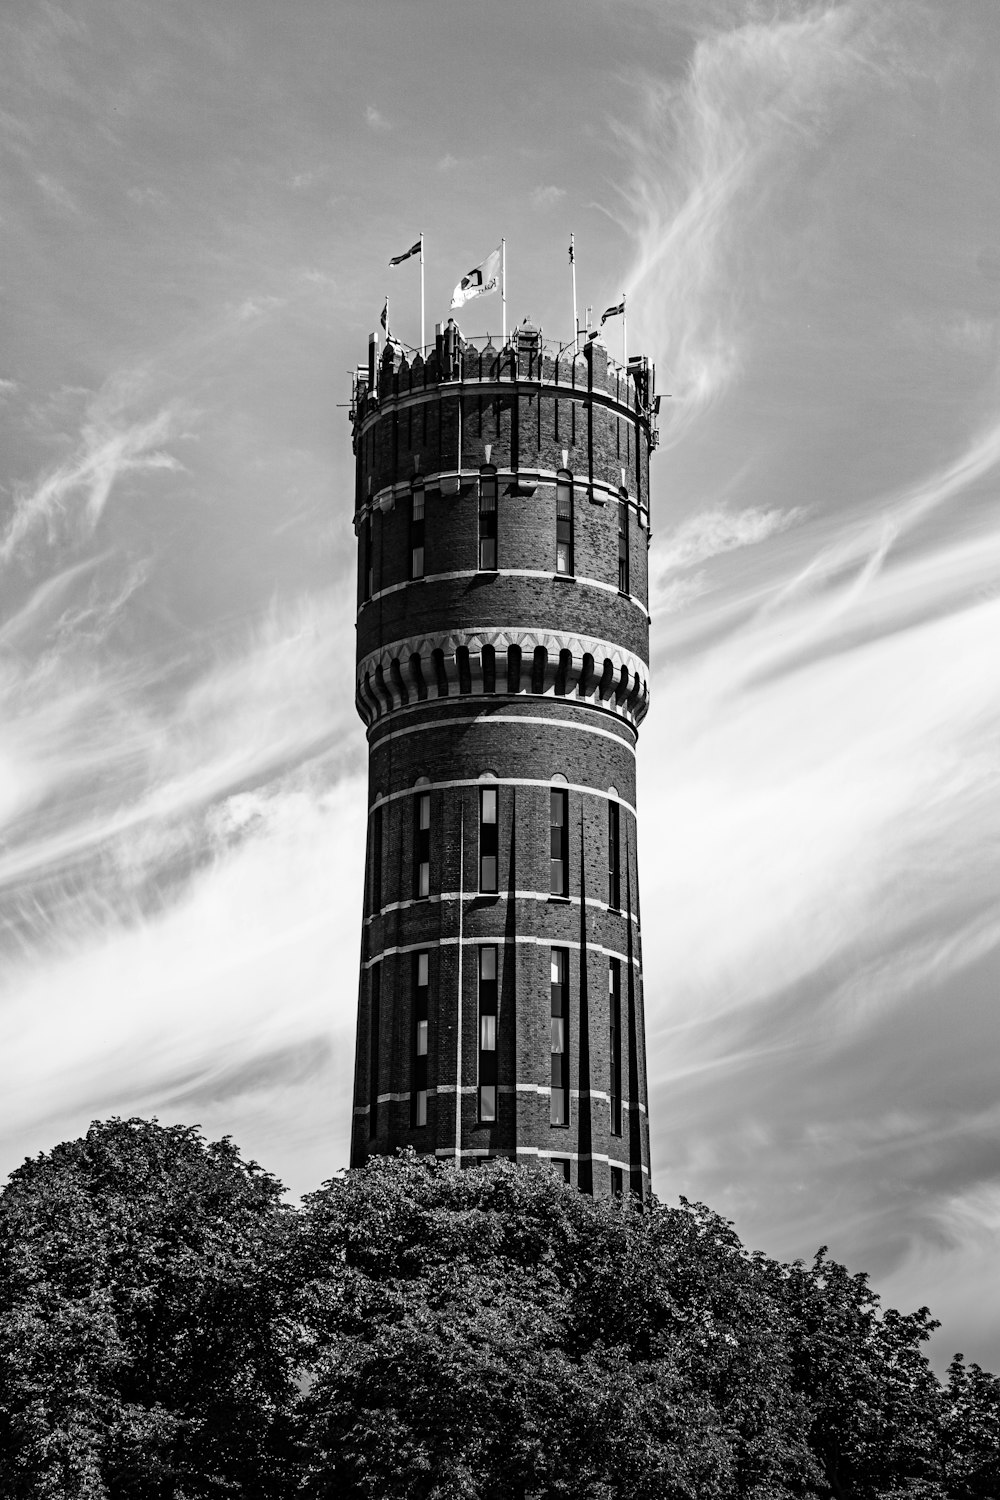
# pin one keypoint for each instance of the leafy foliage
(169, 1329)
(142, 1350)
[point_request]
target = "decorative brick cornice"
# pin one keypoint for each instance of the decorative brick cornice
(474, 661)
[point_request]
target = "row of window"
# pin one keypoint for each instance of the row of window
(489, 533)
(489, 848)
(488, 1081)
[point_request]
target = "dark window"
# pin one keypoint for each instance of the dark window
(488, 839)
(417, 534)
(559, 842)
(617, 1182)
(418, 1097)
(367, 563)
(623, 546)
(564, 524)
(615, 1042)
(614, 855)
(559, 1043)
(377, 860)
(374, 1019)
(561, 1165)
(488, 1034)
(488, 522)
(422, 845)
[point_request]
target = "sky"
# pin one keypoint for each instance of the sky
(802, 204)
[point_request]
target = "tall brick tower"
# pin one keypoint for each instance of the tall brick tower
(502, 516)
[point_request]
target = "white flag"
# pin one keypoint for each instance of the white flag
(483, 279)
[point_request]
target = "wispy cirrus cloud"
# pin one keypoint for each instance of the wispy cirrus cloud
(709, 156)
(170, 852)
(547, 196)
(709, 533)
(377, 120)
(72, 497)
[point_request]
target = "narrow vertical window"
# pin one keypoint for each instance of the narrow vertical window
(488, 840)
(488, 522)
(488, 1034)
(367, 558)
(559, 841)
(561, 1165)
(417, 534)
(559, 1090)
(374, 1023)
(615, 1043)
(564, 523)
(418, 1096)
(376, 900)
(614, 855)
(623, 546)
(422, 845)
(617, 1182)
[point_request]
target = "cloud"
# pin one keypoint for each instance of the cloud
(230, 1000)
(376, 120)
(72, 497)
(709, 159)
(719, 530)
(180, 853)
(547, 197)
(58, 195)
(447, 163)
(252, 308)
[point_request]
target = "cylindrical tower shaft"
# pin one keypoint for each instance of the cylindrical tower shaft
(502, 515)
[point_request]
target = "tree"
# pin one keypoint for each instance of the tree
(971, 1432)
(144, 1350)
(170, 1331)
(875, 1403)
(491, 1332)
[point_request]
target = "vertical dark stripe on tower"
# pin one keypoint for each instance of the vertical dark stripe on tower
(515, 432)
(510, 990)
(634, 1115)
(585, 1131)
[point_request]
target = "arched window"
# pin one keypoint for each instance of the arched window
(420, 986)
(489, 834)
(623, 570)
(417, 531)
(559, 837)
(614, 854)
(421, 840)
(564, 522)
(488, 532)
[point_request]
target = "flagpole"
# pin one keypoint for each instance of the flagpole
(576, 320)
(624, 334)
(421, 294)
(503, 288)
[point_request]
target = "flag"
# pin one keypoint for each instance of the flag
(413, 250)
(612, 312)
(384, 319)
(480, 280)
(572, 257)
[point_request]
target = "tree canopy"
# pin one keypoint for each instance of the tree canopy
(170, 1328)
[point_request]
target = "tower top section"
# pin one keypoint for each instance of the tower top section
(527, 359)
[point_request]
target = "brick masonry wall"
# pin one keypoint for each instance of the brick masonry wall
(524, 742)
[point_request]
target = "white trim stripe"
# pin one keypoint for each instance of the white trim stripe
(498, 896)
(504, 1088)
(571, 786)
(540, 942)
(577, 578)
(482, 718)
